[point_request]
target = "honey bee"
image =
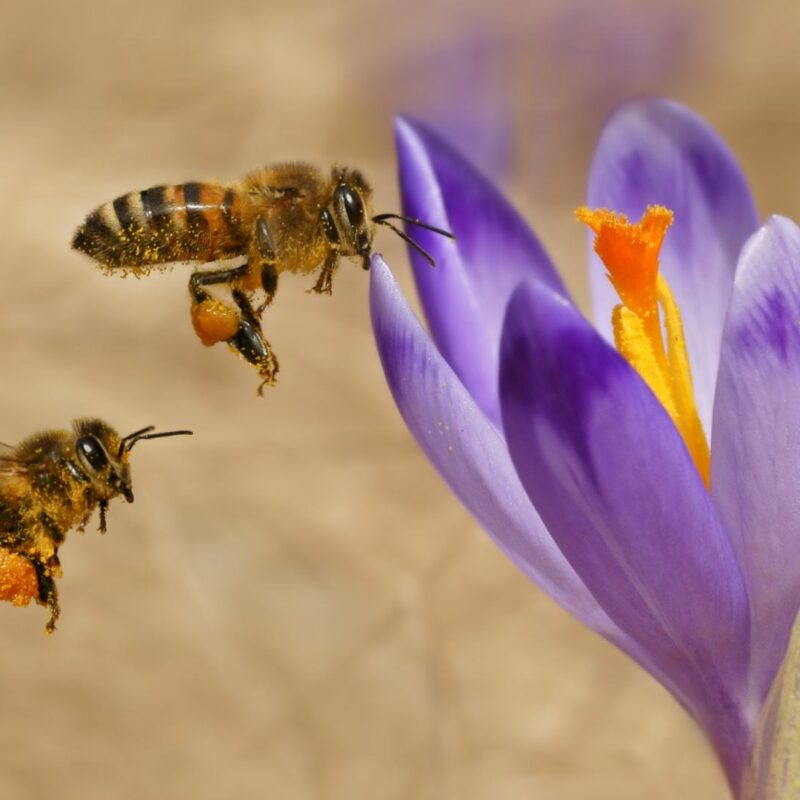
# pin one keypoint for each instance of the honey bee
(282, 217)
(50, 483)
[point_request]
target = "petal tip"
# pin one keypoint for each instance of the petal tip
(779, 222)
(377, 264)
(775, 228)
(382, 281)
(404, 126)
(411, 133)
(533, 297)
(656, 107)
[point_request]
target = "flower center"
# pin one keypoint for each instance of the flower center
(630, 253)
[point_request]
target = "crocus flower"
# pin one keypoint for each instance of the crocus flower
(645, 473)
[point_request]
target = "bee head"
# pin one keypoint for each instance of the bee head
(102, 456)
(349, 225)
(346, 221)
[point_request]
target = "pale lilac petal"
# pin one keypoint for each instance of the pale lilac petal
(465, 295)
(467, 450)
(658, 152)
(755, 464)
(615, 486)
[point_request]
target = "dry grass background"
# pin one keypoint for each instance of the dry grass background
(295, 606)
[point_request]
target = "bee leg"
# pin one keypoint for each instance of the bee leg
(263, 259)
(251, 344)
(103, 510)
(200, 279)
(324, 284)
(269, 283)
(215, 321)
(48, 593)
(53, 531)
(87, 515)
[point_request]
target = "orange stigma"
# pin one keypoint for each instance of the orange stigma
(630, 251)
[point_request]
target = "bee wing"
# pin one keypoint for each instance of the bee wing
(8, 458)
(14, 488)
(13, 472)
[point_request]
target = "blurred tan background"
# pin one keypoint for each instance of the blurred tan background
(295, 607)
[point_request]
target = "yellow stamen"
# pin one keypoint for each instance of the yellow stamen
(681, 374)
(637, 348)
(630, 253)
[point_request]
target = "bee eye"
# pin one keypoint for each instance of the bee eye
(93, 452)
(353, 206)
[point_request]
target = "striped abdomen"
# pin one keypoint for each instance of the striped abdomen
(186, 222)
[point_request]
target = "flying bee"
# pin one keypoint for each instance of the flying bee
(50, 483)
(282, 217)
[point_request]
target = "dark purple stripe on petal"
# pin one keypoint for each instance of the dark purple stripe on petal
(771, 327)
(614, 484)
(658, 152)
(755, 454)
(465, 295)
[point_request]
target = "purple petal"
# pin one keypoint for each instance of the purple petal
(755, 465)
(467, 450)
(615, 486)
(465, 295)
(471, 456)
(658, 152)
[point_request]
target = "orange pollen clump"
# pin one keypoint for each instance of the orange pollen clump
(214, 321)
(18, 581)
(630, 251)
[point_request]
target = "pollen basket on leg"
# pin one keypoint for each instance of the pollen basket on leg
(18, 582)
(630, 251)
(214, 321)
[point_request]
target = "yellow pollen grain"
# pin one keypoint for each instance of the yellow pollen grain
(638, 350)
(630, 252)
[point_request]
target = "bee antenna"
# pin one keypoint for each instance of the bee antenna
(127, 443)
(379, 218)
(408, 239)
(383, 219)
